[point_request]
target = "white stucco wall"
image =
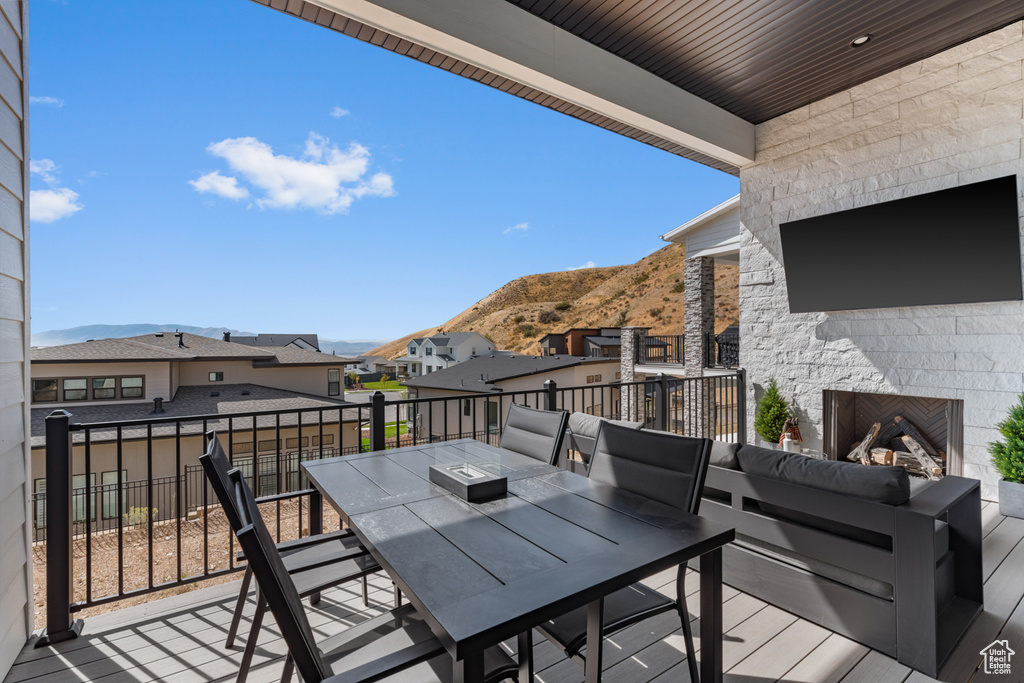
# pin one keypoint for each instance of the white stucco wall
(949, 120)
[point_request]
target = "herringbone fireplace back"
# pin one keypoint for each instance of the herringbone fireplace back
(848, 416)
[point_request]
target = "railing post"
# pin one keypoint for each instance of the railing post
(661, 412)
(377, 440)
(550, 395)
(741, 409)
(59, 572)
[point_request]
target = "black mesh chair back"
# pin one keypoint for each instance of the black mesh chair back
(276, 586)
(534, 433)
(664, 467)
(216, 465)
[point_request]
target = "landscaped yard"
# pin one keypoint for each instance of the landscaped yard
(390, 431)
(390, 385)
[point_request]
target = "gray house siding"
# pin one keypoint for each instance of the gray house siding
(15, 568)
(723, 230)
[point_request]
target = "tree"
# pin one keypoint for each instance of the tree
(353, 377)
(771, 414)
(1008, 455)
(384, 379)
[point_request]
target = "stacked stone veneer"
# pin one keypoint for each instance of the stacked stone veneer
(952, 119)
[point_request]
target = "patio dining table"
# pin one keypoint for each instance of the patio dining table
(481, 573)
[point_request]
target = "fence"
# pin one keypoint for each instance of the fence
(722, 350)
(133, 537)
(655, 349)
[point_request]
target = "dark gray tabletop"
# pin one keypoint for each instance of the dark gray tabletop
(484, 572)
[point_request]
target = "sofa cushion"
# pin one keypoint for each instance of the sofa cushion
(723, 454)
(878, 484)
(589, 425)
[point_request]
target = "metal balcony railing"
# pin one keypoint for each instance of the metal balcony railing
(146, 530)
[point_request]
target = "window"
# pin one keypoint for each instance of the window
(467, 407)
(241, 447)
(76, 389)
(618, 375)
(104, 387)
(44, 390)
(412, 350)
(269, 444)
(429, 351)
(590, 379)
(216, 376)
(473, 352)
(328, 440)
(79, 501)
(294, 442)
(597, 378)
(333, 382)
(430, 368)
(131, 387)
(109, 481)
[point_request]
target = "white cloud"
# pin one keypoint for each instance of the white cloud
(215, 183)
(518, 227)
(47, 206)
(588, 264)
(53, 101)
(338, 112)
(324, 177)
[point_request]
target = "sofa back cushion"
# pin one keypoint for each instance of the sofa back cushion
(589, 425)
(723, 454)
(878, 484)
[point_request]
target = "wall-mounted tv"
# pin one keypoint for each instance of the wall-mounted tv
(955, 246)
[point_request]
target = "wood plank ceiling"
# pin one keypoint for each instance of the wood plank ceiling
(755, 58)
(762, 58)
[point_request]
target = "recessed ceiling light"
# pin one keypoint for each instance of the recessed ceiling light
(860, 40)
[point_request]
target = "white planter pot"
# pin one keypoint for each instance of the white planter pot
(1011, 499)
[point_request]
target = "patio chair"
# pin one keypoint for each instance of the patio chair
(396, 645)
(318, 562)
(664, 467)
(534, 433)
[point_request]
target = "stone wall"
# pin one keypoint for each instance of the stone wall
(952, 119)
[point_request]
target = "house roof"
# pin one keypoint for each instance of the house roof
(448, 339)
(162, 346)
(445, 357)
(694, 224)
(290, 355)
(166, 347)
(302, 341)
(198, 400)
(479, 373)
(604, 341)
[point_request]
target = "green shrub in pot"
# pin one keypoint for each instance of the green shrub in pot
(771, 414)
(1008, 459)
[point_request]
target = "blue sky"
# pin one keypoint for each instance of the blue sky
(215, 162)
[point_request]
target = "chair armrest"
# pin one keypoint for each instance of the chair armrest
(942, 495)
(299, 543)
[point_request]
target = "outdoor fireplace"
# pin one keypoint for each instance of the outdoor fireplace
(920, 430)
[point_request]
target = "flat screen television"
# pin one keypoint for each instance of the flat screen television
(955, 246)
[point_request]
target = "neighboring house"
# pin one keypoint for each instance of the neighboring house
(427, 354)
(605, 342)
(506, 374)
(310, 342)
(181, 374)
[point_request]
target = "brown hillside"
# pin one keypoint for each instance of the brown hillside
(648, 293)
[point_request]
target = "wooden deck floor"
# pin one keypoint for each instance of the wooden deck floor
(181, 638)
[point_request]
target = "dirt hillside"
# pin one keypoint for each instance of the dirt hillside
(648, 293)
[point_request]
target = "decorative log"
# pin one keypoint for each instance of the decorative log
(881, 456)
(910, 430)
(861, 451)
(891, 431)
(927, 464)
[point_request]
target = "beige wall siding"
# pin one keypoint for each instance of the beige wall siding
(949, 120)
(15, 571)
(157, 383)
(306, 379)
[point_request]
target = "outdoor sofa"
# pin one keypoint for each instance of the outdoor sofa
(886, 560)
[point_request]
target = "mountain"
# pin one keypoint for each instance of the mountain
(75, 335)
(648, 293)
(355, 347)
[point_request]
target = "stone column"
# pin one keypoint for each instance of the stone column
(627, 372)
(699, 320)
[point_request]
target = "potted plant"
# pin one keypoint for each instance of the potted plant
(771, 414)
(1008, 458)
